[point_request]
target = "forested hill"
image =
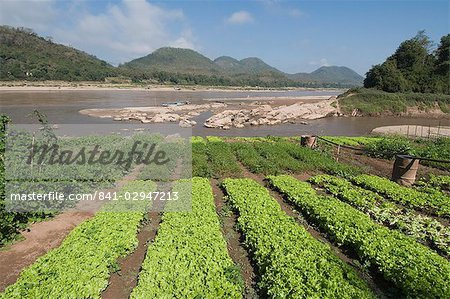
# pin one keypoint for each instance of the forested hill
(416, 66)
(337, 74)
(25, 55)
(187, 61)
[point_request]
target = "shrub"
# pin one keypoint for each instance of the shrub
(388, 148)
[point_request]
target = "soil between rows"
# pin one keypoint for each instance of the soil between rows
(234, 240)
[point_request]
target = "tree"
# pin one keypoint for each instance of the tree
(442, 68)
(386, 77)
(413, 67)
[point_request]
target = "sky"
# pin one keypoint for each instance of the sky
(293, 36)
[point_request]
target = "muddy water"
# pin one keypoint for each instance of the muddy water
(61, 107)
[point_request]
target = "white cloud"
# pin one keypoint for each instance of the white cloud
(296, 13)
(240, 17)
(321, 62)
(34, 14)
(123, 31)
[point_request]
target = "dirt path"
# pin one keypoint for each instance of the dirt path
(234, 240)
(122, 283)
(43, 236)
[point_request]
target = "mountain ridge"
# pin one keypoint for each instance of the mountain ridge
(227, 65)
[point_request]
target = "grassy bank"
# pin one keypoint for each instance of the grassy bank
(371, 102)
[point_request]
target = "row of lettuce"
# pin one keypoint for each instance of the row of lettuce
(424, 229)
(413, 268)
(291, 263)
(80, 267)
(189, 257)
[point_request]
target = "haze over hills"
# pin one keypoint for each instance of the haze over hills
(189, 61)
(337, 74)
(26, 56)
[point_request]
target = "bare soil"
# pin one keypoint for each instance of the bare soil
(122, 282)
(234, 241)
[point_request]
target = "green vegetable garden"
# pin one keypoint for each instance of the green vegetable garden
(267, 218)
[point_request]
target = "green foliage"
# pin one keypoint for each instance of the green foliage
(276, 156)
(80, 267)
(386, 77)
(439, 203)
(440, 181)
(372, 102)
(389, 147)
(292, 264)
(434, 149)
(26, 56)
(189, 258)
(422, 228)
(413, 67)
(415, 269)
(222, 160)
(200, 166)
(251, 159)
(316, 160)
(351, 141)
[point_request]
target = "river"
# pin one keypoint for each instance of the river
(62, 106)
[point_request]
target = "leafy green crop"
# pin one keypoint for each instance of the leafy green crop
(413, 268)
(250, 158)
(351, 141)
(189, 258)
(292, 264)
(278, 157)
(438, 202)
(422, 228)
(315, 160)
(222, 160)
(200, 166)
(80, 267)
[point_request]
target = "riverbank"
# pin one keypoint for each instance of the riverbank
(414, 131)
(92, 86)
(371, 102)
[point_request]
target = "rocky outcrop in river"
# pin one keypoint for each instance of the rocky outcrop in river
(268, 115)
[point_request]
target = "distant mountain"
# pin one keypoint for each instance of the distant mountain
(330, 74)
(25, 55)
(175, 60)
(228, 63)
(189, 61)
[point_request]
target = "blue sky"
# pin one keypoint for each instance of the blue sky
(294, 36)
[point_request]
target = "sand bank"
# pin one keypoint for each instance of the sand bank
(414, 131)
